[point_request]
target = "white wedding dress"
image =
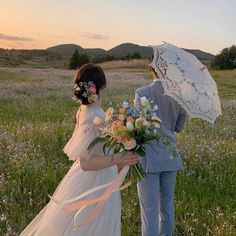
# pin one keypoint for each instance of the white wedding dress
(53, 220)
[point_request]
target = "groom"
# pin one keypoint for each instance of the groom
(156, 192)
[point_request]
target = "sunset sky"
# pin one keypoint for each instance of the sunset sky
(208, 25)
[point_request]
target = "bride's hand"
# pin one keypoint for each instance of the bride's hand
(130, 158)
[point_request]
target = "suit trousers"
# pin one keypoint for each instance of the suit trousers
(156, 196)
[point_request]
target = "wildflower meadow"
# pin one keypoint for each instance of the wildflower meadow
(37, 117)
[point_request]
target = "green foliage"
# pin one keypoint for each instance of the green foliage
(77, 60)
(226, 82)
(107, 57)
(129, 56)
(74, 61)
(136, 55)
(226, 59)
(103, 58)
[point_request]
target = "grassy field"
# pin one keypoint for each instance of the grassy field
(37, 117)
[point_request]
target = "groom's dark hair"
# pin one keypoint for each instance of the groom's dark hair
(151, 58)
(89, 73)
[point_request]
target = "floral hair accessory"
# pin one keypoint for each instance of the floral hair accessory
(89, 91)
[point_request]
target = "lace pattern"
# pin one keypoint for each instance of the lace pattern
(188, 81)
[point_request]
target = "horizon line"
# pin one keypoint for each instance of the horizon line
(97, 47)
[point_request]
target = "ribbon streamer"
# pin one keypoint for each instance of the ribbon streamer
(79, 205)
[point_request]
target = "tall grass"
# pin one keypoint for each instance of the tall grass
(134, 63)
(37, 117)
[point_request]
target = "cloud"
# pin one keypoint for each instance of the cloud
(14, 38)
(94, 36)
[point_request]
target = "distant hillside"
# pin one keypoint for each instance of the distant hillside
(66, 49)
(59, 56)
(125, 48)
(201, 55)
(122, 50)
(70, 48)
(95, 51)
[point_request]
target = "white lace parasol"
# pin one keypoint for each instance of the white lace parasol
(188, 81)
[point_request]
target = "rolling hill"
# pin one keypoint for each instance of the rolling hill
(69, 49)
(125, 48)
(122, 50)
(58, 56)
(66, 49)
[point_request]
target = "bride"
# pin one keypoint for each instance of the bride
(90, 170)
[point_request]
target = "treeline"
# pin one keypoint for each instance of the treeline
(78, 59)
(226, 59)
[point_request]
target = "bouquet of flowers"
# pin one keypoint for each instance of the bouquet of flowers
(129, 129)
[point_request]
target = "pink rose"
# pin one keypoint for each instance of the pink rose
(116, 124)
(130, 119)
(92, 89)
(129, 143)
(140, 120)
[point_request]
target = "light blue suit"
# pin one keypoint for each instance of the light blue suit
(156, 192)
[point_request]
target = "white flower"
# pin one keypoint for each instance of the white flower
(155, 107)
(130, 126)
(3, 217)
(125, 104)
(157, 121)
(129, 143)
(97, 121)
(146, 123)
(144, 102)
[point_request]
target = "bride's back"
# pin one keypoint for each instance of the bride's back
(86, 114)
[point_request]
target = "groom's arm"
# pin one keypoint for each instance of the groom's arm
(137, 100)
(181, 121)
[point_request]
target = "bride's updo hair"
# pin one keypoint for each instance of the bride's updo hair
(88, 75)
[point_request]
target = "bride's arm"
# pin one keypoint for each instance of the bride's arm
(101, 162)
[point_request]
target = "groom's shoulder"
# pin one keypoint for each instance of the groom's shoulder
(142, 90)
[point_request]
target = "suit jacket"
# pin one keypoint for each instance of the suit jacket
(173, 117)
